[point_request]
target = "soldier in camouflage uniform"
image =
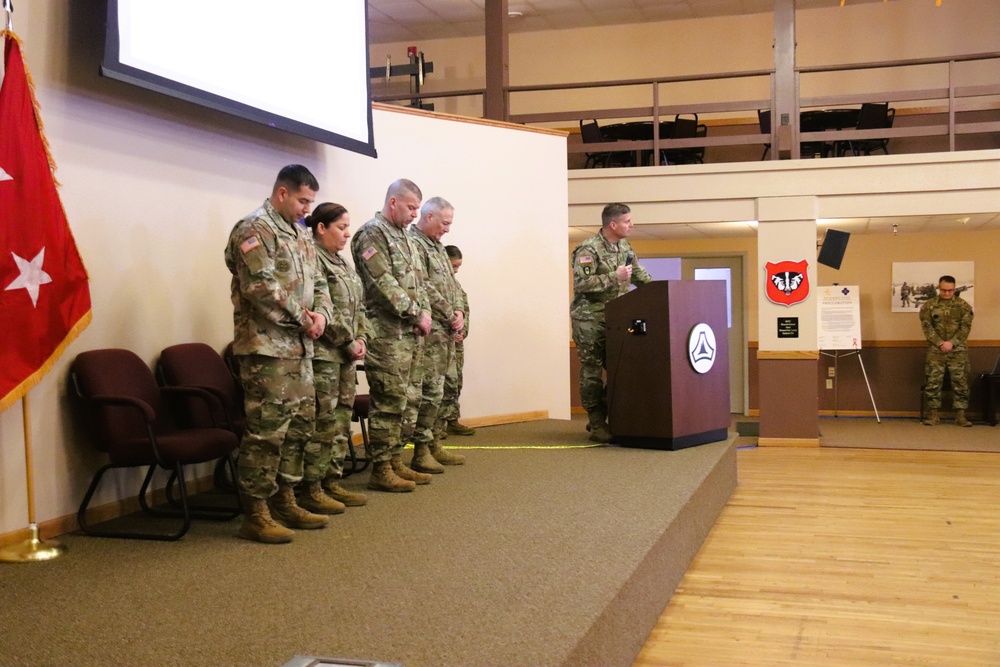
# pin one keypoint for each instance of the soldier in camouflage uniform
(342, 344)
(280, 306)
(451, 410)
(400, 317)
(603, 267)
(447, 319)
(946, 320)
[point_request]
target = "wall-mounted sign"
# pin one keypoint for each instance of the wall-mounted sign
(701, 348)
(838, 317)
(787, 282)
(788, 327)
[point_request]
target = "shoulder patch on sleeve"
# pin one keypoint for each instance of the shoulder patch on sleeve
(369, 252)
(249, 244)
(586, 259)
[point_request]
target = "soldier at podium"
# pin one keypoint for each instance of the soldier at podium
(603, 268)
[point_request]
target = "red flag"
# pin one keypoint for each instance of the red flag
(44, 297)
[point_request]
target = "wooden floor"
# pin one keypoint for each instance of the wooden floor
(844, 557)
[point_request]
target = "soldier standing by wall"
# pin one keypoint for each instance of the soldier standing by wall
(436, 218)
(280, 306)
(342, 344)
(603, 267)
(946, 320)
(400, 316)
(451, 409)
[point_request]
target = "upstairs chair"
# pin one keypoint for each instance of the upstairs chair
(764, 120)
(813, 121)
(198, 365)
(873, 116)
(685, 127)
(590, 132)
(129, 421)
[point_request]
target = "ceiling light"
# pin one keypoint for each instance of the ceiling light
(515, 15)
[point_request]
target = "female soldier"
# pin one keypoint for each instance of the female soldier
(335, 352)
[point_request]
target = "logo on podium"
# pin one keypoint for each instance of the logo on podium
(701, 348)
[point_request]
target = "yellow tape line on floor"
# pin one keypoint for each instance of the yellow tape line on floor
(521, 446)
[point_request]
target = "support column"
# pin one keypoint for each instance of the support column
(786, 101)
(495, 106)
(788, 354)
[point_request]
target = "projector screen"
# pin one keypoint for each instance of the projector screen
(297, 65)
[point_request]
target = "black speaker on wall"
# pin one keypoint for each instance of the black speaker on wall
(834, 244)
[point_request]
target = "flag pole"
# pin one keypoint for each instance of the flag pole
(31, 549)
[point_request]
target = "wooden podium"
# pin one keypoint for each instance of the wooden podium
(668, 380)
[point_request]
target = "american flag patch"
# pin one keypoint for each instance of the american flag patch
(249, 244)
(369, 253)
(586, 259)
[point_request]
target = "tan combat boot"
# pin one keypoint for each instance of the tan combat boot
(286, 510)
(406, 473)
(598, 427)
(456, 428)
(384, 479)
(422, 461)
(314, 499)
(342, 495)
(258, 524)
(444, 457)
(960, 419)
(933, 419)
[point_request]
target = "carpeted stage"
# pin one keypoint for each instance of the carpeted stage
(541, 556)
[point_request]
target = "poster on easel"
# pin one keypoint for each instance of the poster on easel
(838, 317)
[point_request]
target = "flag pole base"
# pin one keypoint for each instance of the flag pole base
(32, 549)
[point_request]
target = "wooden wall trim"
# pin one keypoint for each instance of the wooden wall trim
(466, 119)
(788, 354)
(753, 344)
(788, 442)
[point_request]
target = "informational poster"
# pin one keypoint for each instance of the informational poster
(838, 321)
(913, 283)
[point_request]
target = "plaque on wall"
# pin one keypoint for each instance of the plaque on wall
(788, 327)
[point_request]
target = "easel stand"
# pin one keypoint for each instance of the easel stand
(837, 354)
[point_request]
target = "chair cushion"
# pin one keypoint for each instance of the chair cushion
(195, 445)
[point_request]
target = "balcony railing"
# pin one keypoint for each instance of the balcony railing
(944, 102)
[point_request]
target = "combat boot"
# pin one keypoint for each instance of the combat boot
(960, 419)
(258, 524)
(422, 461)
(933, 419)
(342, 495)
(456, 428)
(383, 478)
(406, 473)
(314, 499)
(286, 510)
(598, 427)
(444, 457)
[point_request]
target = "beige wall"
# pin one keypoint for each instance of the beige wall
(836, 35)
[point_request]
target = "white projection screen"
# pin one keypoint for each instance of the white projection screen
(297, 65)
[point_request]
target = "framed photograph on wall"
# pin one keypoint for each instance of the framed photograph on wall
(915, 282)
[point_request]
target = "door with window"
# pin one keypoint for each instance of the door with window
(729, 269)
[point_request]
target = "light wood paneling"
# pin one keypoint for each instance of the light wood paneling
(844, 558)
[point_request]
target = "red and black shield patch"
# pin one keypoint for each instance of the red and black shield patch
(787, 282)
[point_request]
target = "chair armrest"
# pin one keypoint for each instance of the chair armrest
(204, 394)
(210, 395)
(126, 401)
